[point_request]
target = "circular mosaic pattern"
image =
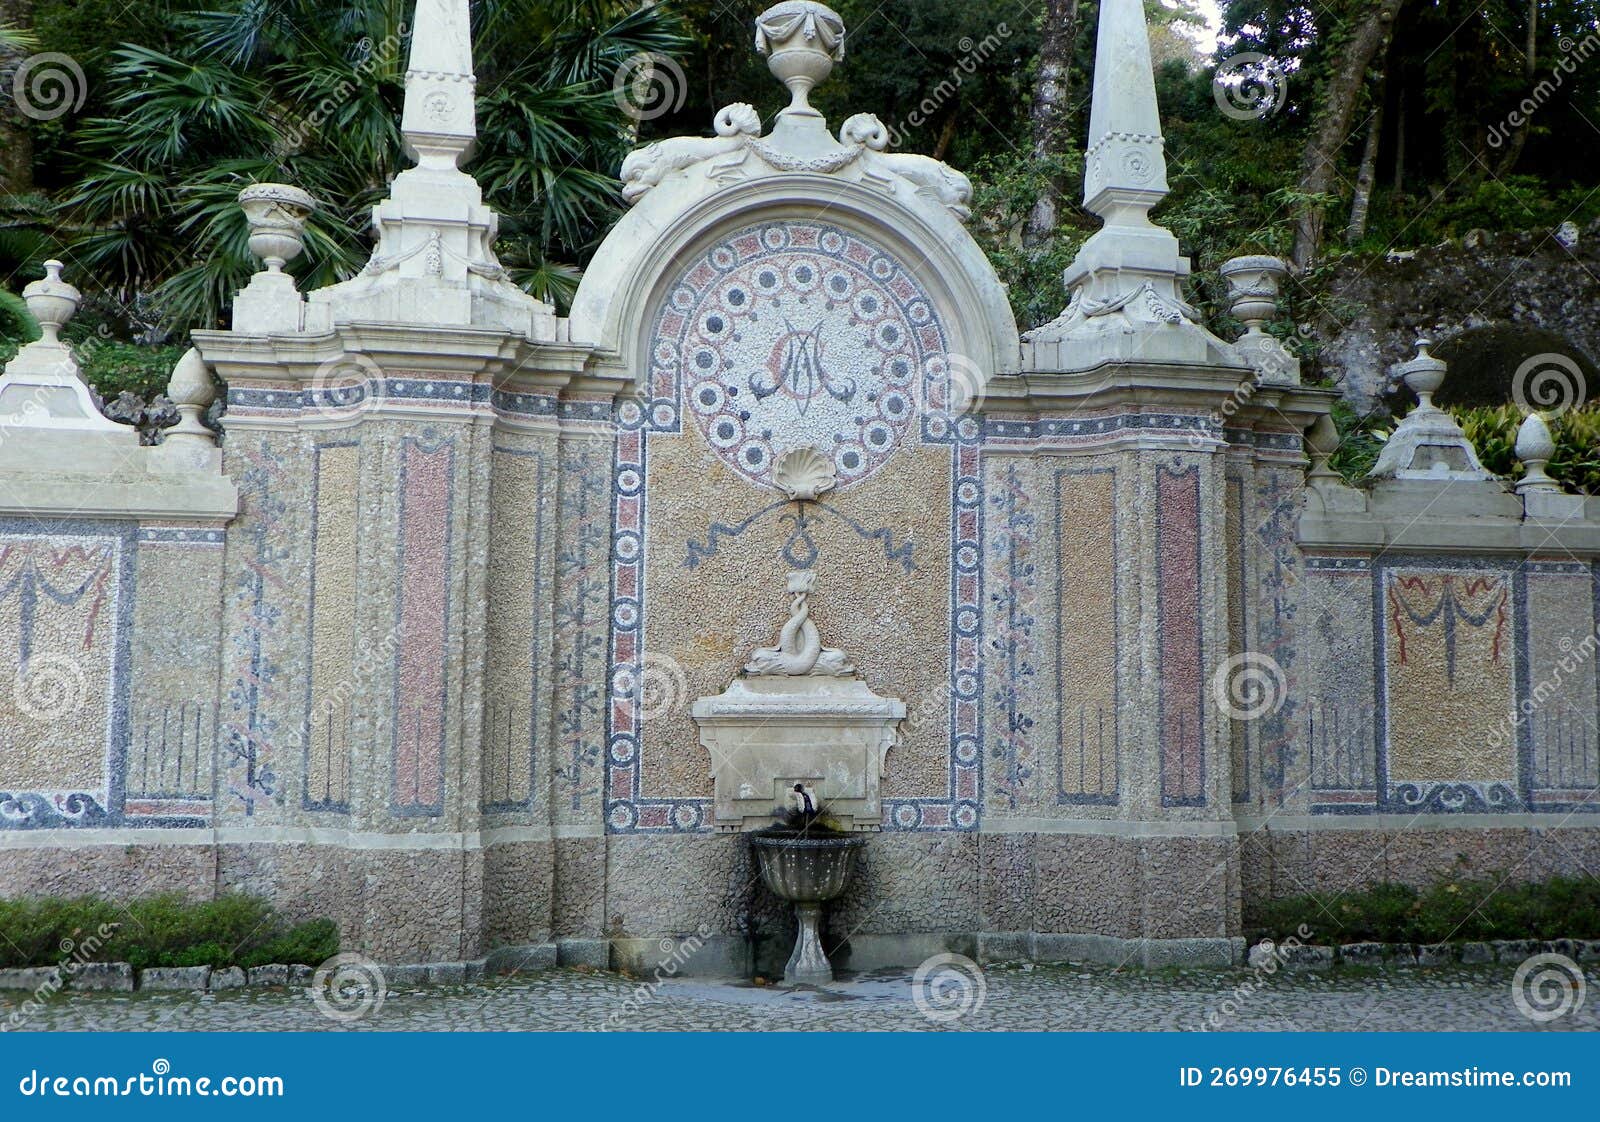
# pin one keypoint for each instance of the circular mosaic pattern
(798, 333)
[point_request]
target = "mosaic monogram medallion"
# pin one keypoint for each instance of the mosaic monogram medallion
(797, 333)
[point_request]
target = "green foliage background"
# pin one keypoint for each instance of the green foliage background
(189, 100)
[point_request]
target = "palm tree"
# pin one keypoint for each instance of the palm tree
(298, 91)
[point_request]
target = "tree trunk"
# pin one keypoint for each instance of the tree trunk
(948, 133)
(16, 141)
(1332, 125)
(1400, 145)
(1362, 203)
(1051, 114)
(1517, 137)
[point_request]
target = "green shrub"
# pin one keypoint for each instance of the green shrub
(1454, 910)
(166, 930)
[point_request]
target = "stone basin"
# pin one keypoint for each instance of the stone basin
(807, 869)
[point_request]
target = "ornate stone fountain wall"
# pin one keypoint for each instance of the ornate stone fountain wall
(419, 651)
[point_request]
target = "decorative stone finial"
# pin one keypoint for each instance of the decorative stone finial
(277, 215)
(1126, 301)
(1535, 448)
(1253, 286)
(271, 304)
(192, 390)
(1428, 443)
(42, 387)
(799, 650)
(52, 301)
(1323, 441)
(1126, 172)
(802, 40)
(1424, 374)
(434, 264)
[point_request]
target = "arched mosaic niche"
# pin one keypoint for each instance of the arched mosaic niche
(800, 332)
(779, 330)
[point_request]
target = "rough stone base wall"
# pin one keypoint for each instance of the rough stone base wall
(113, 871)
(1278, 863)
(1143, 900)
(517, 894)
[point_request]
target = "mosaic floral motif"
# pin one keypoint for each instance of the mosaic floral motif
(792, 334)
(581, 609)
(1013, 534)
(257, 680)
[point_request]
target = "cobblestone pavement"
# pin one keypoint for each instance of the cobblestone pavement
(1012, 998)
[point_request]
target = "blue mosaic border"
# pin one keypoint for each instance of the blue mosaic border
(449, 390)
(995, 428)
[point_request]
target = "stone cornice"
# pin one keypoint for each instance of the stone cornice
(1197, 387)
(510, 362)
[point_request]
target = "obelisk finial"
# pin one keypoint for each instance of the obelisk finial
(440, 121)
(1126, 283)
(1127, 165)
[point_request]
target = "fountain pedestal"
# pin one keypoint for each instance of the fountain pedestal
(807, 870)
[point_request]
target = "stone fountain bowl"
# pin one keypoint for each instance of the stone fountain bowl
(805, 868)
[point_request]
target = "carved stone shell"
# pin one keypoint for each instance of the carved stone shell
(804, 473)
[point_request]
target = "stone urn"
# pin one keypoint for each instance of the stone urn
(808, 870)
(1253, 285)
(277, 215)
(52, 301)
(802, 39)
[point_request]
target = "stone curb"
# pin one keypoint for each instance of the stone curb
(175, 978)
(1307, 956)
